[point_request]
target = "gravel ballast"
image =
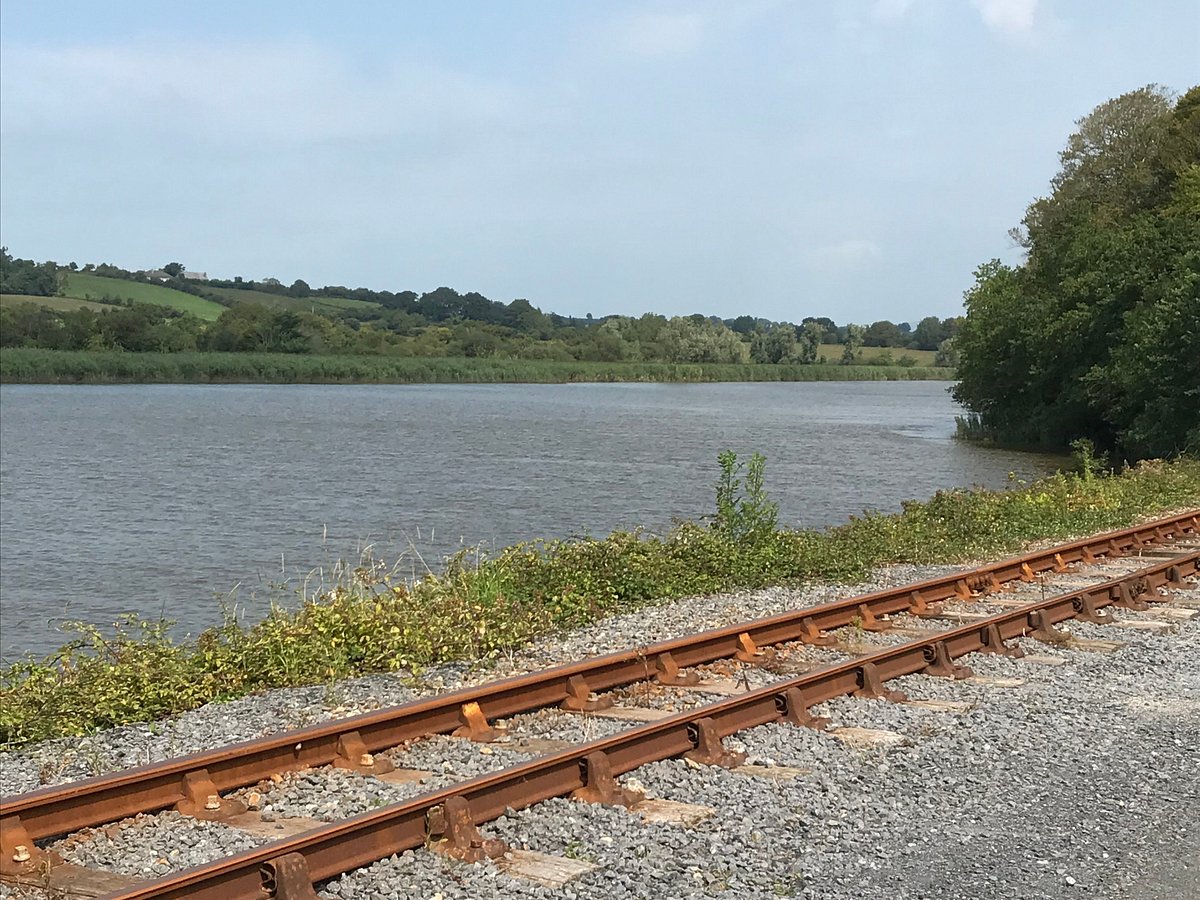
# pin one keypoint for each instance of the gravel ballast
(1081, 781)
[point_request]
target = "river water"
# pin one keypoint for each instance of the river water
(157, 499)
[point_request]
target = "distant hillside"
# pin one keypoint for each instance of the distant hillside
(85, 286)
(325, 305)
(174, 310)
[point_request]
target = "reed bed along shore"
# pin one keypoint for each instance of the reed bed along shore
(30, 366)
(480, 605)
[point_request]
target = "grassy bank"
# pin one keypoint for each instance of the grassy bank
(478, 607)
(28, 366)
(85, 286)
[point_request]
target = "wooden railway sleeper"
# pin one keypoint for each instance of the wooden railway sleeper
(450, 830)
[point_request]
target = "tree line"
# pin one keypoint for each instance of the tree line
(253, 327)
(1095, 336)
(442, 322)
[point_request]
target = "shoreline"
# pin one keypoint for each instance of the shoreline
(31, 366)
(1029, 711)
(521, 596)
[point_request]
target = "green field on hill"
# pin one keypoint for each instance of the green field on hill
(84, 286)
(324, 305)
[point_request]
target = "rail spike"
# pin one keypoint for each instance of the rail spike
(919, 606)
(868, 621)
(993, 643)
(750, 653)
(202, 800)
(709, 750)
(1087, 610)
(599, 785)
(811, 633)
(352, 754)
(794, 708)
(1042, 629)
(474, 725)
(1123, 597)
(871, 686)
(941, 665)
(668, 672)
(286, 878)
(1175, 578)
(580, 698)
(451, 830)
(20, 855)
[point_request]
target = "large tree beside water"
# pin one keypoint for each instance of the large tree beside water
(1097, 333)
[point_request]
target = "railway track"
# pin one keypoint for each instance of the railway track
(207, 784)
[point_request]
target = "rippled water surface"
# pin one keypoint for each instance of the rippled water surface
(157, 498)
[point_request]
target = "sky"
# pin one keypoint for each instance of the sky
(852, 159)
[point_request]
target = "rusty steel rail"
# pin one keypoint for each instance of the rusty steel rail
(288, 868)
(187, 782)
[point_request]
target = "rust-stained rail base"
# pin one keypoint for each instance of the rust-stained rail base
(341, 847)
(197, 783)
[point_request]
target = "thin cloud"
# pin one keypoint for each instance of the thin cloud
(1013, 18)
(660, 34)
(890, 10)
(855, 253)
(281, 92)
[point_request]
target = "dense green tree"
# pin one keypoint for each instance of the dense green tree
(778, 345)
(743, 324)
(884, 334)
(24, 276)
(809, 344)
(852, 343)
(704, 341)
(1095, 335)
(929, 334)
